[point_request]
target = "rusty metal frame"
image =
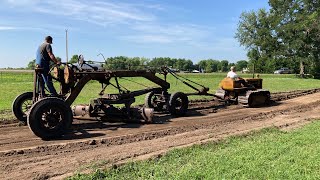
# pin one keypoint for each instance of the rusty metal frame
(105, 76)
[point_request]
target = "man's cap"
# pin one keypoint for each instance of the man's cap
(48, 38)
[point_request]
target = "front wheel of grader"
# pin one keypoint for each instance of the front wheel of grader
(155, 101)
(178, 104)
(50, 118)
(21, 105)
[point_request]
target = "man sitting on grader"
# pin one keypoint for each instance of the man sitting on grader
(233, 75)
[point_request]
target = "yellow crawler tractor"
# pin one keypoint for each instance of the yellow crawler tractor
(249, 92)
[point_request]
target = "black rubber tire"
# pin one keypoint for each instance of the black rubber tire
(21, 105)
(149, 101)
(43, 120)
(178, 104)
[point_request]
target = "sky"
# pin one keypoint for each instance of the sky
(190, 29)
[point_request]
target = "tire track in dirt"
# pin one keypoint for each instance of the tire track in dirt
(116, 143)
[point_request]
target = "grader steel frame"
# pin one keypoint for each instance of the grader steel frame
(51, 117)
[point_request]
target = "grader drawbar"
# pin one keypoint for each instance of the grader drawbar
(51, 117)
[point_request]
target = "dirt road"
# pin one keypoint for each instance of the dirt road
(101, 144)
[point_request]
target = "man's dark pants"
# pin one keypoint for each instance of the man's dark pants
(48, 81)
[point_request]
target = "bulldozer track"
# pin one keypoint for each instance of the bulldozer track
(23, 155)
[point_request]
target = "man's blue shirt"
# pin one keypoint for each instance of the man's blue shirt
(42, 56)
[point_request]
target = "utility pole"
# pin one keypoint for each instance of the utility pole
(67, 45)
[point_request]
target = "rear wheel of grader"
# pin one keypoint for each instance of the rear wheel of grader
(155, 101)
(178, 104)
(21, 105)
(50, 118)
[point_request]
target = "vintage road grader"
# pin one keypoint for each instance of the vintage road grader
(51, 117)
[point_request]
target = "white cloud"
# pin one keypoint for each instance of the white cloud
(139, 19)
(98, 12)
(23, 2)
(3, 28)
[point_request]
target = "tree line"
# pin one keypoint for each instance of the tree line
(177, 64)
(286, 35)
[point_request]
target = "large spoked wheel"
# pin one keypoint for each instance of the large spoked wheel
(21, 105)
(154, 101)
(178, 104)
(50, 118)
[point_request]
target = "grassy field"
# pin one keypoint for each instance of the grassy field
(267, 154)
(13, 84)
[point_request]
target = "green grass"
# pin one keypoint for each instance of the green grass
(15, 83)
(267, 154)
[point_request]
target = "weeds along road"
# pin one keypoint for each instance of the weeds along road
(101, 144)
(15, 70)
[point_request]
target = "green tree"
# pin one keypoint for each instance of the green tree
(162, 61)
(202, 65)
(214, 65)
(255, 32)
(223, 66)
(299, 29)
(240, 65)
(209, 66)
(31, 64)
(117, 63)
(179, 65)
(74, 59)
(134, 63)
(188, 66)
(144, 61)
(285, 35)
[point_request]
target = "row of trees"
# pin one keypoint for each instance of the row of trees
(123, 62)
(211, 65)
(286, 35)
(181, 64)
